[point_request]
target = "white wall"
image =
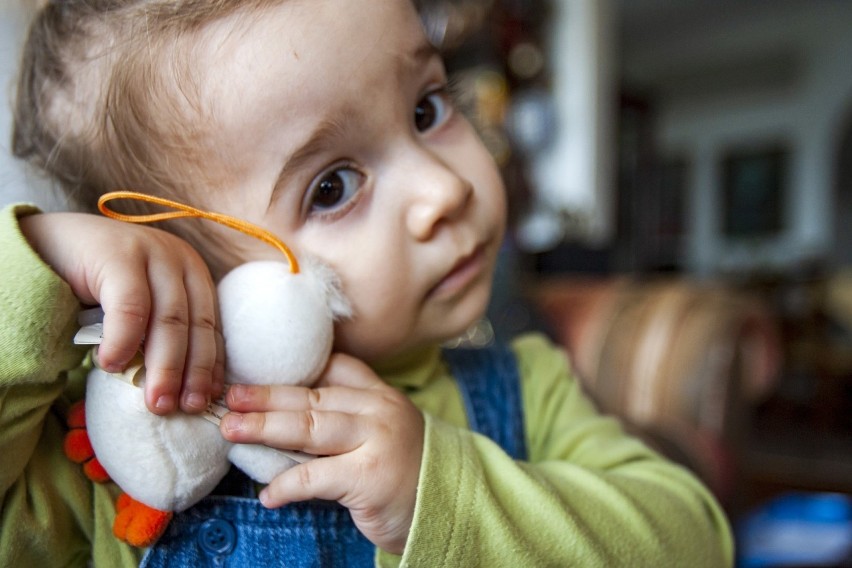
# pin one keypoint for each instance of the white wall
(804, 107)
(17, 182)
(575, 173)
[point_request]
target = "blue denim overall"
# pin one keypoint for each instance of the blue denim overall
(231, 528)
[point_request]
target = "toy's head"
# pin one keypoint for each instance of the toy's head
(279, 325)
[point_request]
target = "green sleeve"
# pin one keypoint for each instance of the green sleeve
(37, 323)
(588, 496)
(50, 513)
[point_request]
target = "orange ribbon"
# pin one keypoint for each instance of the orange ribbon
(182, 210)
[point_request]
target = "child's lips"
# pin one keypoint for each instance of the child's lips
(463, 272)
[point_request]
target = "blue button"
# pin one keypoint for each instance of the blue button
(217, 537)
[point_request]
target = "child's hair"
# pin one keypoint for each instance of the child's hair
(108, 99)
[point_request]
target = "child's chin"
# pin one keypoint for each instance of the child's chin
(467, 326)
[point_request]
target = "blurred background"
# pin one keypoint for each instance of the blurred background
(680, 181)
(680, 187)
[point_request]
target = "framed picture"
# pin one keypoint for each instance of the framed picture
(755, 192)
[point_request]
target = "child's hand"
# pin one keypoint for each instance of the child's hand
(371, 433)
(150, 284)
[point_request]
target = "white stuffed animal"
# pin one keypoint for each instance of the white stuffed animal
(278, 329)
(278, 326)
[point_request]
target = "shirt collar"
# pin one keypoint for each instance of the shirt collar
(414, 370)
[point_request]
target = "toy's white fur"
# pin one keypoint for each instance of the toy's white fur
(278, 329)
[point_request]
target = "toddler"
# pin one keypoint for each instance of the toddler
(328, 123)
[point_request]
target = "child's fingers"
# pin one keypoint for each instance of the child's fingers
(271, 398)
(167, 338)
(127, 304)
(347, 371)
(203, 346)
(324, 478)
(346, 385)
(324, 433)
(343, 379)
(219, 367)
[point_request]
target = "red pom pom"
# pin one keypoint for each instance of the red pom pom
(78, 447)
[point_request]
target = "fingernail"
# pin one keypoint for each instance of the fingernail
(233, 422)
(165, 402)
(196, 400)
(110, 366)
(237, 393)
(264, 498)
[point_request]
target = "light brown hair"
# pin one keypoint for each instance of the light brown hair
(107, 99)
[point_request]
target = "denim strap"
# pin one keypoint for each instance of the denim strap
(490, 386)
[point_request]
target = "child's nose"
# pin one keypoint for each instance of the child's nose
(440, 194)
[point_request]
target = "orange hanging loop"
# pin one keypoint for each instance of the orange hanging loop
(182, 210)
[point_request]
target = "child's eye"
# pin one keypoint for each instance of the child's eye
(431, 110)
(333, 190)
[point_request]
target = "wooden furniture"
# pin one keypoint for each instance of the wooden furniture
(681, 363)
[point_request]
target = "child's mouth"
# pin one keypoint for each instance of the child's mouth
(465, 271)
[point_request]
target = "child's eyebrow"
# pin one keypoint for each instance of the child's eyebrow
(420, 55)
(328, 129)
(334, 127)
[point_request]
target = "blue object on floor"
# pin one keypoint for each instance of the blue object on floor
(797, 529)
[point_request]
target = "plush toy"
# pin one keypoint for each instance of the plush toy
(277, 321)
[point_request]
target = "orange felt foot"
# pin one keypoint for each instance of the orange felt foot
(138, 524)
(78, 447)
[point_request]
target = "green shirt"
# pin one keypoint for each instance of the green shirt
(589, 495)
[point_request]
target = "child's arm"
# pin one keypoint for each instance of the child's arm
(588, 495)
(151, 285)
(39, 486)
(37, 324)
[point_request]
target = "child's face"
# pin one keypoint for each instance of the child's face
(336, 131)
